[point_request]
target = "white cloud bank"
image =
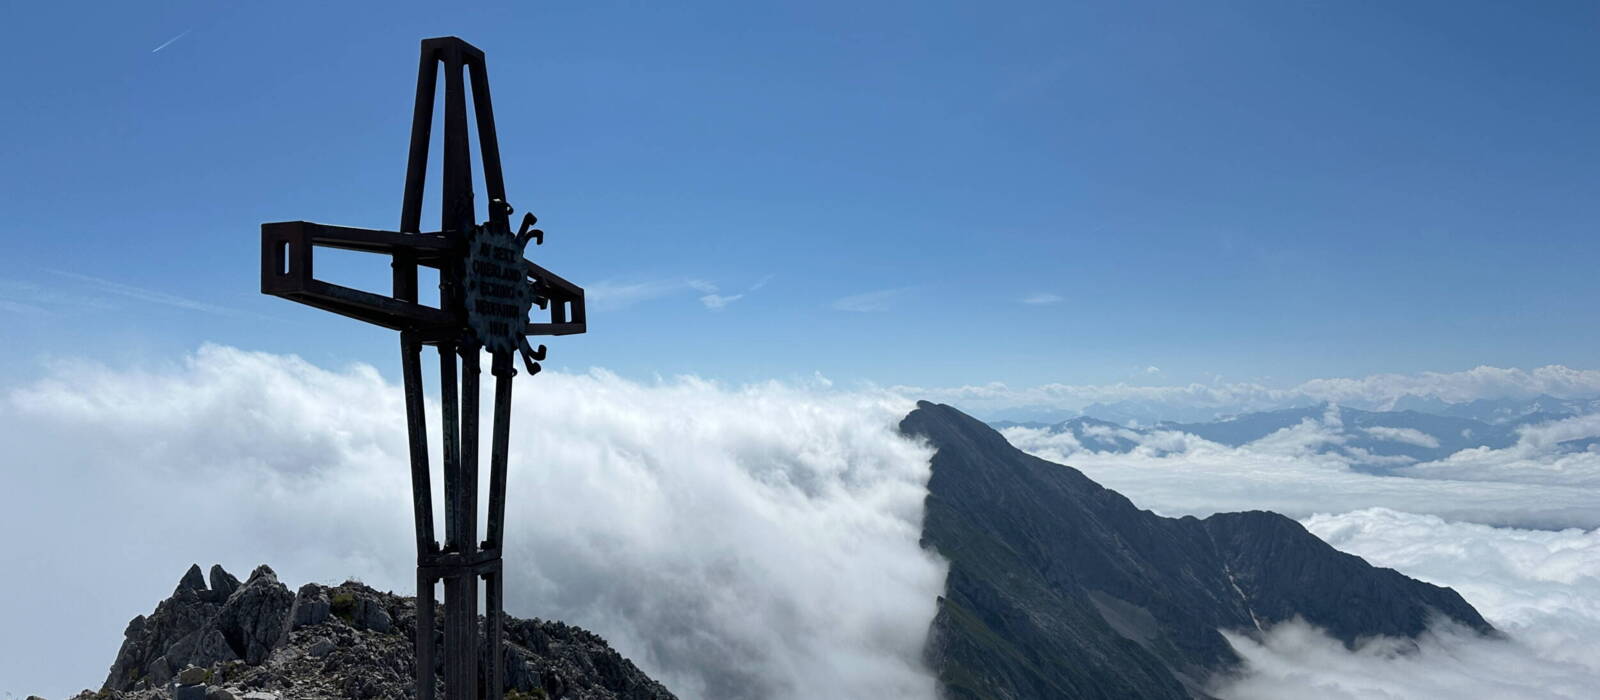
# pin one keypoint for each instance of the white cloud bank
(745, 542)
(735, 542)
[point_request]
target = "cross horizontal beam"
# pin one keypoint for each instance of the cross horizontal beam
(288, 271)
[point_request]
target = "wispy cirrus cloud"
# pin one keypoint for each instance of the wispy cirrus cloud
(611, 295)
(712, 297)
(85, 294)
(149, 296)
(880, 300)
(34, 299)
(1042, 299)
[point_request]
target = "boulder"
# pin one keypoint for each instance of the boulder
(193, 675)
(311, 606)
(254, 619)
(371, 615)
(320, 648)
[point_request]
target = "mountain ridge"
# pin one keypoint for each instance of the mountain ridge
(1059, 587)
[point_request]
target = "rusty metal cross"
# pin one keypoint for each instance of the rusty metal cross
(487, 291)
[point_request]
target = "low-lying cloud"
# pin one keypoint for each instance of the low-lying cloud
(736, 542)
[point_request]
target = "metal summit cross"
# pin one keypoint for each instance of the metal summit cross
(486, 292)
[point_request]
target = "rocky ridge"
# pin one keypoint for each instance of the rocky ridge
(220, 639)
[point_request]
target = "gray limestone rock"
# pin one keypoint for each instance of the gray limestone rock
(194, 580)
(223, 584)
(255, 617)
(202, 647)
(370, 615)
(320, 648)
(193, 675)
(159, 671)
(345, 641)
(311, 606)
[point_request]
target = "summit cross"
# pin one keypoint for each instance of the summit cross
(487, 291)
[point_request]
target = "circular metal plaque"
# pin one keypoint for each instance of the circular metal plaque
(498, 293)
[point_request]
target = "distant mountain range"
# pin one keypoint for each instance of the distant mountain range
(1152, 412)
(1060, 588)
(1377, 441)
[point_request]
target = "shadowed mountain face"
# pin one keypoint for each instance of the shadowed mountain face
(1060, 588)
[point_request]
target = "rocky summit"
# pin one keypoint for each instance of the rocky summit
(1061, 588)
(219, 639)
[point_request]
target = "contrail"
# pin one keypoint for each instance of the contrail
(169, 41)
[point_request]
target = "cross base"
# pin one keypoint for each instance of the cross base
(461, 630)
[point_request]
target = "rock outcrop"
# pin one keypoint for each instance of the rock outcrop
(223, 640)
(1061, 588)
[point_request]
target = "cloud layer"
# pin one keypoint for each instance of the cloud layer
(1291, 471)
(735, 542)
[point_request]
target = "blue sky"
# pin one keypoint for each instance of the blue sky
(1258, 191)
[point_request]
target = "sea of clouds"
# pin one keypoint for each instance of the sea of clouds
(736, 541)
